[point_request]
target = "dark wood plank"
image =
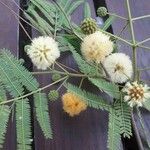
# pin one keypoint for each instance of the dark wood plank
(142, 31)
(9, 39)
(85, 132)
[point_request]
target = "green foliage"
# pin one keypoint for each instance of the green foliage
(15, 87)
(23, 125)
(114, 138)
(123, 111)
(50, 16)
(74, 41)
(19, 72)
(83, 65)
(42, 114)
(87, 10)
(4, 118)
(109, 88)
(92, 100)
(14, 78)
(9, 81)
(63, 43)
(45, 26)
(2, 94)
(108, 22)
(73, 6)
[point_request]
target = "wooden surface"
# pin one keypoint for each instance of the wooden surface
(89, 130)
(9, 28)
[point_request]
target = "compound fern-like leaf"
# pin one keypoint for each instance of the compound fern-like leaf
(19, 71)
(23, 125)
(91, 99)
(4, 118)
(114, 137)
(109, 88)
(42, 114)
(9, 81)
(123, 111)
(2, 94)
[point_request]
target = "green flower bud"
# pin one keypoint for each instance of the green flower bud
(88, 26)
(56, 77)
(53, 95)
(102, 11)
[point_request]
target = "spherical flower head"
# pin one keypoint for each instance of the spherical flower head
(95, 47)
(72, 104)
(102, 11)
(119, 67)
(43, 52)
(88, 26)
(136, 94)
(53, 95)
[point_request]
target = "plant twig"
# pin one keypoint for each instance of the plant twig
(141, 17)
(144, 41)
(33, 92)
(134, 61)
(145, 47)
(118, 38)
(118, 16)
(144, 69)
(71, 69)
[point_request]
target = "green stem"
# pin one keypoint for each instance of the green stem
(133, 41)
(33, 92)
(144, 69)
(123, 29)
(141, 17)
(144, 41)
(69, 74)
(118, 16)
(118, 38)
(134, 63)
(145, 47)
(81, 82)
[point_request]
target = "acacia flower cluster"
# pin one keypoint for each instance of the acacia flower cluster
(43, 52)
(95, 47)
(72, 104)
(136, 94)
(119, 67)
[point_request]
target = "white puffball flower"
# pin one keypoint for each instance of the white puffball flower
(43, 52)
(119, 67)
(95, 47)
(136, 94)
